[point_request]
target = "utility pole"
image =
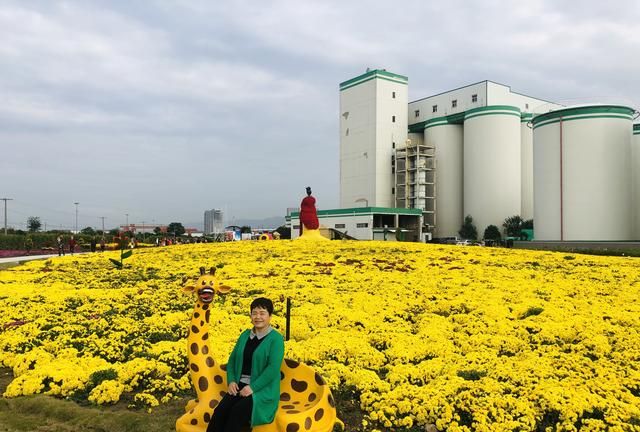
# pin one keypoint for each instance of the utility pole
(76, 203)
(127, 215)
(102, 217)
(5, 213)
(143, 236)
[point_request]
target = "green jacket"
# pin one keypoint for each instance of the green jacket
(265, 374)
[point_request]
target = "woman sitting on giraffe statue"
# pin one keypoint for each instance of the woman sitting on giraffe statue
(253, 374)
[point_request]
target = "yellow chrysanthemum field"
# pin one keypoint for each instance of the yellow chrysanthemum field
(465, 338)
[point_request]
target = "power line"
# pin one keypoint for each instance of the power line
(5, 213)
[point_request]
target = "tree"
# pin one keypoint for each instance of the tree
(528, 224)
(285, 233)
(176, 228)
(468, 229)
(492, 232)
(245, 229)
(157, 230)
(33, 223)
(88, 231)
(513, 226)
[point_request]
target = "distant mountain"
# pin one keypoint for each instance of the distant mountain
(270, 222)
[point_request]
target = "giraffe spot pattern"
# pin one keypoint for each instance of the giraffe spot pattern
(194, 348)
(222, 393)
(291, 363)
(207, 315)
(213, 403)
(196, 315)
(281, 375)
(203, 384)
(194, 422)
(298, 386)
(207, 417)
(224, 367)
(205, 307)
(209, 361)
(285, 397)
(205, 349)
(293, 427)
(201, 323)
(293, 412)
(307, 423)
(319, 414)
(194, 367)
(195, 329)
(331, 401)
(205, 336)
(312, 397)
(319, 379)
(288, 407)
(218, 379)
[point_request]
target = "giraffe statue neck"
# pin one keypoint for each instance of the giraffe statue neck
(206, 374)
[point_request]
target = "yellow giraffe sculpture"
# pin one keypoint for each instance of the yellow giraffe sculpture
(306, 403)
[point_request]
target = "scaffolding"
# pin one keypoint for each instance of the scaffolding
(414, 167)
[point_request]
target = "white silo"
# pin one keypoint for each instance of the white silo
(526, 169)
(635, 174)
(492, 165)
(582, 173)
(446, 138)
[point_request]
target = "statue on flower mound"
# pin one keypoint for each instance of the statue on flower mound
(306, 403)
(309, 219)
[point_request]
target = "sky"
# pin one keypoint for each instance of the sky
(160, 110)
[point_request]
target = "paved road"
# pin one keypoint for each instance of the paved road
(26, 258)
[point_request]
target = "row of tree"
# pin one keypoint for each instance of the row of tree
(513, 227)
(34, 224)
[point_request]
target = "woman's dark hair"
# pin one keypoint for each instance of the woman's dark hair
(262, 303)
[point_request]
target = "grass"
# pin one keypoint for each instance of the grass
(47, 414)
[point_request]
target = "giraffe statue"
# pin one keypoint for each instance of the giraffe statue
(306, 402)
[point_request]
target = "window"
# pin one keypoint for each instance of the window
(393, 170)
(474, 98)
(526, 106)
(296, 227)
(435, 108)
(393, 95)
(347, 132)
(393, 145)
(417, 113)
(362, 225)
(393, 191)
(454, 103)
(393, 119)
(339, 226)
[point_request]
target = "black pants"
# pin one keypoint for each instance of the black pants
(232, 414)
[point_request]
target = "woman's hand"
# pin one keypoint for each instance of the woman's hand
(246, 391)
(233, 389)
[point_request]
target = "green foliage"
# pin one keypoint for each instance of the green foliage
(285, 233)
(175, 228)
(532, 311)
(97, 377)
(513, 226)
(528, 224)
(124, 252)
(88, 231)
(468, 229)
(245, 229)
(492, 232)
(34, 224)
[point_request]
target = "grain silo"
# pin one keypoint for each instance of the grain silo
(492, 165)
(446, 139)
(526, 169)
(582, 173)
(635, 184)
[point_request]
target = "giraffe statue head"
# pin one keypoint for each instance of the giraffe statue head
(206, 286)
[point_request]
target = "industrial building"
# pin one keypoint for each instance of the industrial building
(213, 222)
(486, 151)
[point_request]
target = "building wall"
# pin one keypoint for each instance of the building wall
(372, 118)
(443, 101)
(635, 173)
(350, 223)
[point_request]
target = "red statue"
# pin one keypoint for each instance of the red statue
(308, 215)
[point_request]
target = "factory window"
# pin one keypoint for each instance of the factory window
(526, 106)
(296, 227)
(347, 132)
(393, 145)
(393, 191)
(454, 103)
(474, 98)
(362, 225)
(339, 226)
(393, 119)
(435, 108)
(393, 95)
(417, 113)
(393, 170)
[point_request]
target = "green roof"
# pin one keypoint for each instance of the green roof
(584, 112)
(364, 211)
(376, 73)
